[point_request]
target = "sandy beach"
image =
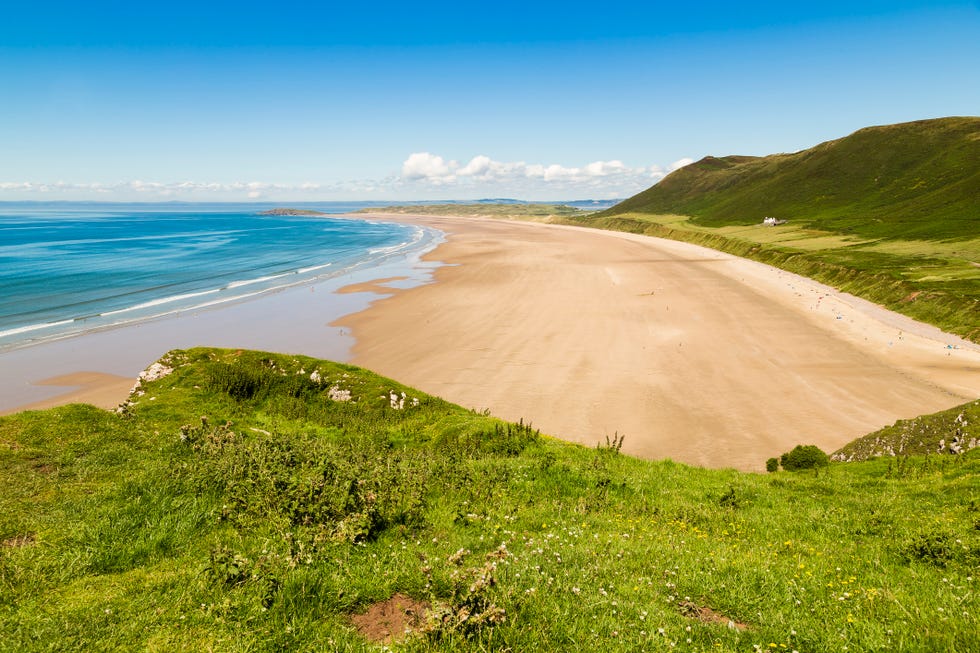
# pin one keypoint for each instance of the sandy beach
(691, 354)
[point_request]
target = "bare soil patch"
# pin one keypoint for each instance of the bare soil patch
(44, 469)
(25, 539)
(392, 620)
(706, 615)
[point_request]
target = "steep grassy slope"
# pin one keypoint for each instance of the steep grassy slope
(949, 431)
(917, 180)
(253, 501)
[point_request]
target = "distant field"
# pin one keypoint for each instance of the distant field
(530, 212)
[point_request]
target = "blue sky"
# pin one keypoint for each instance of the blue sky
(290, 101)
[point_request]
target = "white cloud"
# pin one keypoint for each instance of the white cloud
(422, 165)
(147, 190)
(604, 168)
(680, 163)
(613, 177)
(479, 166)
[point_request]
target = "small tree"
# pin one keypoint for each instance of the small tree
(772, 465)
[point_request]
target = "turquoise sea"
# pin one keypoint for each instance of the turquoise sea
(70, 268)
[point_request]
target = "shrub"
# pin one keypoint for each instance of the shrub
(804, 457)
(772, 465)
(934, 548)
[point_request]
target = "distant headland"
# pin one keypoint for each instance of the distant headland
(287, 211)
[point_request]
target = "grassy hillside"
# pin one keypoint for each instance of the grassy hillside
(251, 501)
(911, 181)
(891, 214)
(949, 431)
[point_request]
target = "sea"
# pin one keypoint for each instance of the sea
(66, 269)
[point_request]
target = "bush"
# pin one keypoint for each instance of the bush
(934, 548)
(804, 457)
(772, 465)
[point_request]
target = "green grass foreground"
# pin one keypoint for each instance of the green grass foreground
(246, 502)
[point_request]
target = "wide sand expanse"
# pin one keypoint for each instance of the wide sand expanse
(689, 353)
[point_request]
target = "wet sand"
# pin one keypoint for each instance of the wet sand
(297, 320)
(96, 388)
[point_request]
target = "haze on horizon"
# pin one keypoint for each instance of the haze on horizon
(255, 101)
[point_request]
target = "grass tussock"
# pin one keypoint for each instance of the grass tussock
(251, 501)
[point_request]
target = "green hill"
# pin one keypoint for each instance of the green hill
(891, 214)
(916, 180)
(256, 502)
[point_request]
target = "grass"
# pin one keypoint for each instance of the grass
(948, 431)
(236, 506)
(910, 181)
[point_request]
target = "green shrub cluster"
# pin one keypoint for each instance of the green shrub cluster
(802, 456)
(349, 491)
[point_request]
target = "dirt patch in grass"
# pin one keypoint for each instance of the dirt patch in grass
(17, 541)
(912, 296)
(706, 615)
(392, 620)
(44, 468)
